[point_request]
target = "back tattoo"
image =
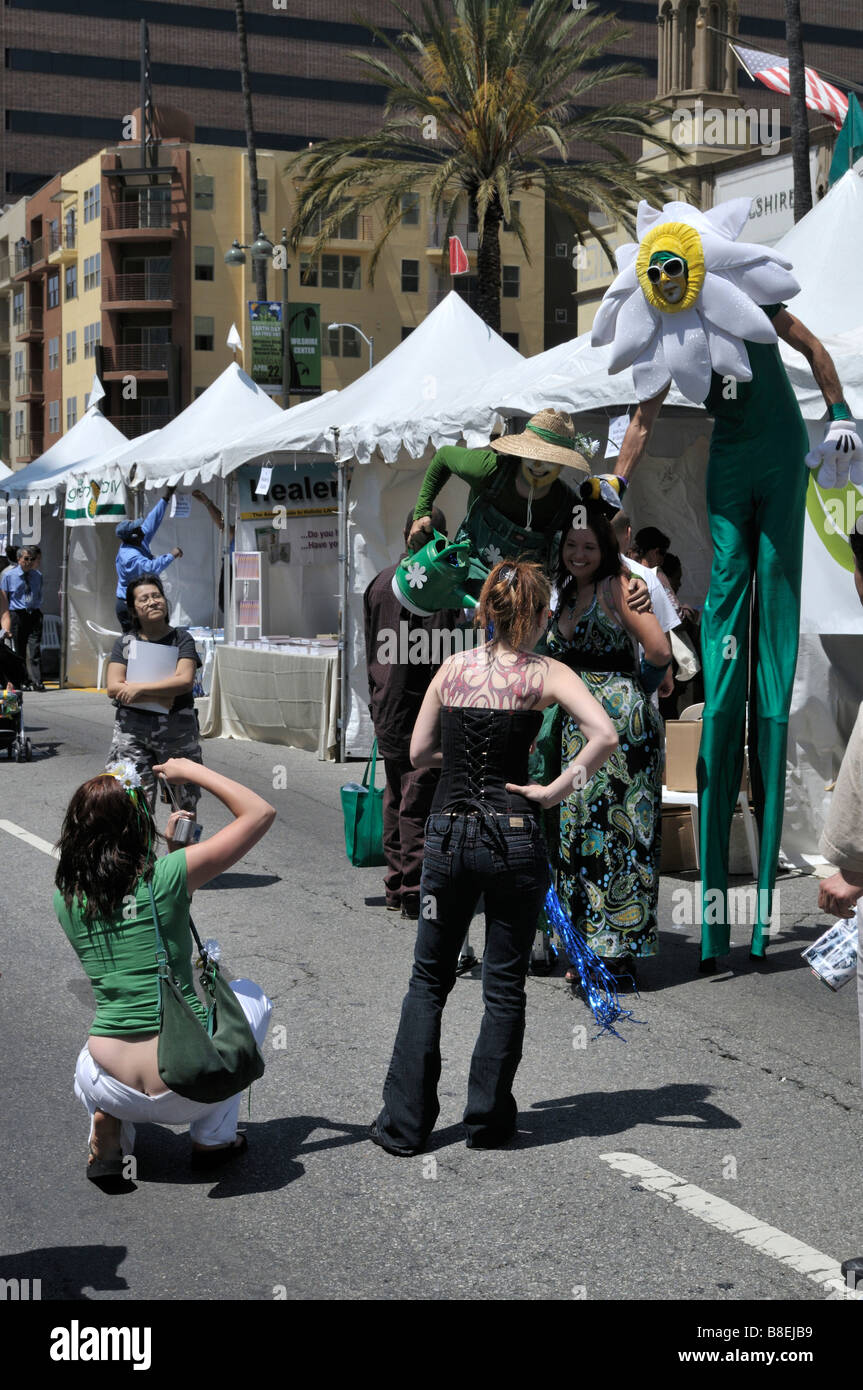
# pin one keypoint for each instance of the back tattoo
(477, 678)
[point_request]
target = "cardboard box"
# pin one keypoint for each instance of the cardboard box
(682, 741)
(678, 842)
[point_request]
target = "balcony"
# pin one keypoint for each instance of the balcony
(28, 386)
(28, 326)
(28, 447)
(353, 230)
(139, 219)
(134, 425)
(147, 291)
(140, 359)
(437, 236)
(62, 243)
(5, 271)
(28, 257)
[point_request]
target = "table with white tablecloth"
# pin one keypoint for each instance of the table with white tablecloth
(281, 695)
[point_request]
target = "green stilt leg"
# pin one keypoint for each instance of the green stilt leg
(756, 490)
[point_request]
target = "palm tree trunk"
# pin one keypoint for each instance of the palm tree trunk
(488, 270)
(260, 267)
(799, 118)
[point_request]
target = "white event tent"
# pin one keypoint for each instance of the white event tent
(385, 421)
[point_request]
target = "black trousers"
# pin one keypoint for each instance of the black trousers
(464, 857)
(27, 638)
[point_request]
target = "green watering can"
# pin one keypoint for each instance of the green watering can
(437, 577)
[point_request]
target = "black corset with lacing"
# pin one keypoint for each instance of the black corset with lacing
(483, 749)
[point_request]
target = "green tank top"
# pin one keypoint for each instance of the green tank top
(765, 406)
(119, 956)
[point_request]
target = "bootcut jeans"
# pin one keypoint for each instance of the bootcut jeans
(505, 858)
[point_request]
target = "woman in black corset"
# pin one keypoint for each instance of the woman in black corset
(477, 723)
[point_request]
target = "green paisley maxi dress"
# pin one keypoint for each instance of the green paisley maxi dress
(610, 831)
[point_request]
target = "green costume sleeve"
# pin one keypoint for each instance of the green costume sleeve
(474, 466)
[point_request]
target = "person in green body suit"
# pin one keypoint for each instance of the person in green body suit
(694, 305)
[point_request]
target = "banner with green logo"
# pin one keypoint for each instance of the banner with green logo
(305, 345)
(88, 501)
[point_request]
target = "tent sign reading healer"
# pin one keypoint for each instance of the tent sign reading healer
(300, 509)
(265, 318)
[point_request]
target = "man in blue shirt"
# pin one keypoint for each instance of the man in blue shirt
(135, 556)
(22, 586)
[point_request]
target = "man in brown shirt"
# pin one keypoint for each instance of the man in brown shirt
(842, 844)
(403, 651)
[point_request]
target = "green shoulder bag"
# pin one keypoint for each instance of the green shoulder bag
(363, 811)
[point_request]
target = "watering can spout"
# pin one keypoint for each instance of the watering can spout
(437, 576)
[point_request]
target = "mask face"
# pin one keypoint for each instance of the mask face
(539, 473)
(668, 275)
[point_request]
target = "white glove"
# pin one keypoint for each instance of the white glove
(839, 456)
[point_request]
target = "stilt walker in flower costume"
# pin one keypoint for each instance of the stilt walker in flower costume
(693, 305)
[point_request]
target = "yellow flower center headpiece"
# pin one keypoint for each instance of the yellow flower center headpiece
(679, 239)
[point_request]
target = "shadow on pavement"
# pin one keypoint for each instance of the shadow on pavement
(66, 1270)
(240, 881)
(596, 1114)
(272, 1160)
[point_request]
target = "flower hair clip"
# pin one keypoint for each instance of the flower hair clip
(127, 774)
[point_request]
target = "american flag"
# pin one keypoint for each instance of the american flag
(772, 70)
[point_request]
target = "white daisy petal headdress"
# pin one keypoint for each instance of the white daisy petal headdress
(687, 295)
(125, 773)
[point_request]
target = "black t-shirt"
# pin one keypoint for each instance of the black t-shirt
(178, 637)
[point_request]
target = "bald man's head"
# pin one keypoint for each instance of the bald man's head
(622, 528)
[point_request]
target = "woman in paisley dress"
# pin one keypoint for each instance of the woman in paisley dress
(610, 830)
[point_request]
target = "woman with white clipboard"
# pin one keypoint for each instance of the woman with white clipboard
(151, 676)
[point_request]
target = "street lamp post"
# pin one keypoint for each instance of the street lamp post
(370, 341)
(262, 249)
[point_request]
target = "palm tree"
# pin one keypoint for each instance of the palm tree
(799, 117)
(260, 267)
(484, 100)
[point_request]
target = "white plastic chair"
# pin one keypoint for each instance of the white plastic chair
(104, 653)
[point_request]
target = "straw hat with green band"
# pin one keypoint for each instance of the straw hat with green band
(550, 435)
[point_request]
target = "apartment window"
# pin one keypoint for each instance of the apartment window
(92, 272)
(53, 417)
(205, 261)
(53, 235)
(91, 203)
(19, 423)
(351, 341)
(70, 226)
(410, 277)
(560, 316)
(86, 401)
(204, 331)
(19, 364)
(511, 338)
(410, 209)
(263, 195)
(351, 273)
(510, 281)
(71, 411)
(92, 338)
(561, 251)
(406, 332)
(308, 271)
(18, 304)
(516, 209)
(71, 347)
(71, 282)
(342, 342)
(53, 354)
(329, 272)
(204, 192)
(347, 228)
(54, 291)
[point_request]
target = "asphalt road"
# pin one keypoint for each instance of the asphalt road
(745, 1085)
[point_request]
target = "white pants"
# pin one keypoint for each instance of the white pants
(208, 1124)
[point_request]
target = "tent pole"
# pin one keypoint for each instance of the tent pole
(64, 603)
(343, 601)
(231, 505)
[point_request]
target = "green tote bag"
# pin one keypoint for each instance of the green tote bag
(363, 811)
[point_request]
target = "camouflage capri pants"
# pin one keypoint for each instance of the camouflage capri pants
(147, 739)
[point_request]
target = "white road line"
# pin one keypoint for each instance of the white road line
(735, 1222)
(21, 834)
